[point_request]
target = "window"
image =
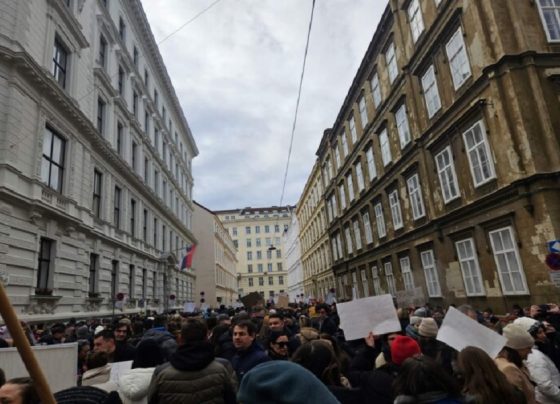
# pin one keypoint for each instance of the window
(97, 184)
(344, 144)
(357, 235)
(102, 56)
(133, 218)
(381, 230)
(506, 255)
(342, 194)
(276, 228)
(248, 242)
(402, 126)
(468, 260)
(135, 56)
(478, 152)
(372, 171)
(134, 151)
(93, 266)
(359, 176)
(375, 280)
(337, 156)
(550, 15)
(280, 280)
(236, 243)
(447, 175)
(391, 60)
(415, 17)
(367, 228)
(395, 205)
(348, 238)
(352, 123)
(52, 162)
(156, 98)
(408, 279)
(385, 148)
(365, 286)
(268, 254)
(250, 268)
(279, 267)
(278, 253)
(415, 195)
(234, 231)
(145, 226)
(248, 230)
(135, 104)
(249, 255)
(144, 283)
(261, 281)
(117, 208)
(390, 278)
(44, 271)
(259, 267)
(458, 59)
(100, 115)
(250, 281)
(376, 90)
(146, 78)
(270, 280)
(350, 184)
(334, 250)
(339, 245)
(431, 93)
(120, 139)
(146, 122)
(60, 63)
(430, 272)
(156, 182)
(120, 81)
(155, 228)
(257, 230)
(363, 112)
(122, 29)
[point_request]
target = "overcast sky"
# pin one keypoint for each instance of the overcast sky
(236, 72)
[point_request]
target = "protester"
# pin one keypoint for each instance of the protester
(123, 350)
(83, 351)
(249, 353)
(98, 373)
(278, 345)
(482, 381)
(325, 323)
(283, 382)
(510, 360)
(55, 336)
(20, 390)
(163, 337)
(402, 348)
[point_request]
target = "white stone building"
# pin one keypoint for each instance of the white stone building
(95, 162)
(293, 261)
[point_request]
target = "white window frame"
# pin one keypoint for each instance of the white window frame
(479, 155)
(372, 170)
(367, 228)
(431, 91)
(447, 176)
(376, 90)
(555, 13)
(376, 281)
(391, 61)
(396, 213)
(360, 176)
(415, 195)
(470, 268)
(344, 144)
(357, 234)
(505, 256)
(350, 184)
(380, 220)
(339, 245)
(348, 237)
(342, 195)
(430, 273)
(337, 157)
(363, 113)
(458, 59)
(334, 249)
(406, 270)
(403, 128)
(352, 127)
(385, 146)
(415, 18)
(390, 278)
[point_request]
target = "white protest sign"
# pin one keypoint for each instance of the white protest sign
(375, 314)
(459, 331)
(189, 307)
(118, 368)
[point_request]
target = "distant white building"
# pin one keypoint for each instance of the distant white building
(293, 260)
(95, 162)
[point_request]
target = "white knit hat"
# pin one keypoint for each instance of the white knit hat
(517, 337)
(415, 320)
(529, 324)
(428, 327)
(98, 329)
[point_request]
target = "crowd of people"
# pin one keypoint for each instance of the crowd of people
(299, 355)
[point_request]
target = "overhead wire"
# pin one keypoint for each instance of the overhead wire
(297, 104)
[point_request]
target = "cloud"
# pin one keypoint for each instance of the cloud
(236, 72)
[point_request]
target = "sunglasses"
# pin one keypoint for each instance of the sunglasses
(281, 344)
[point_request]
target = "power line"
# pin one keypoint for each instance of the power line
(297, 103)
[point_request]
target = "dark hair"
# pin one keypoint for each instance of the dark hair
(319, 358)
(29, 394)
(148, 354)
(274, 335)
(422, 374)
(96, 360)
(194, 330)
(2, 377)
(322, 306)
(249, 325)
(276, 315)
(483, 379)
(513, 356)
(106, 334)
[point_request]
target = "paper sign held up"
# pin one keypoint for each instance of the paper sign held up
(375, 314)
(460, 331)
(283, 301)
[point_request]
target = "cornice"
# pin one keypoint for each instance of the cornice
(70, 22)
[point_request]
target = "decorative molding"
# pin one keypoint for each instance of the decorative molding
(93, 303)
(42, 304)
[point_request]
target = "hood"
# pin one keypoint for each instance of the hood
(134, 384)
(193, 356)
(158, 335)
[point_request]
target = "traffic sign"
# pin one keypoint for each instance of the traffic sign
(553, 261)
(554, 246)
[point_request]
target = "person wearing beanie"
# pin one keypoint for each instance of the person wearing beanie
(402, 348)
(283, 382)
(428, 328)
(510, 359)
(541, 368)
(412, 328)
(421, 312)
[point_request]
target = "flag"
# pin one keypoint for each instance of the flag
(187, 259)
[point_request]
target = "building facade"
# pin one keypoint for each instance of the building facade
(296, 292)
(95, 162)
(441, 171)
(257, 235)
(314, 238)
(215, 260)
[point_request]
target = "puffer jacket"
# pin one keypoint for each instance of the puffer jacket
(545, 374)
(246, 359)
(192, 376)
(165, 340)
(134, 384)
